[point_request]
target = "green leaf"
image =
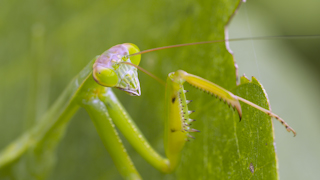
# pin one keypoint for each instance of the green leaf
(75, 32)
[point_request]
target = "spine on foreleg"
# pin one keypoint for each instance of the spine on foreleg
(177, 120)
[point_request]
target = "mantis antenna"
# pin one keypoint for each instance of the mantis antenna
(228, 40)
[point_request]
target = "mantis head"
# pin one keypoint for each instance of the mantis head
(108, 70)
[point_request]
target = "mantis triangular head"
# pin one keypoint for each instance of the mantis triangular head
(109, 71)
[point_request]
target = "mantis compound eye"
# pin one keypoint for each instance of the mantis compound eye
(132, 48)
(105, 76)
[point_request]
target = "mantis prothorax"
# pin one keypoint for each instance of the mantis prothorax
(92, 90)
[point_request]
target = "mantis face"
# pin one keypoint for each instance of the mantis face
(108, 70)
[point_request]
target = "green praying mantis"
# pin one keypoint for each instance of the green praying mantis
(92, 89)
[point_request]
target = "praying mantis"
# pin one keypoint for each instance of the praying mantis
(198, 139)
(92, 89)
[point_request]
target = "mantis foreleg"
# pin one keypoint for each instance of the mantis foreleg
(179, 77)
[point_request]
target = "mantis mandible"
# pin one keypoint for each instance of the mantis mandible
(92, 89)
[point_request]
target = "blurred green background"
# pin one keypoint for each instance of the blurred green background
(43, 44)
